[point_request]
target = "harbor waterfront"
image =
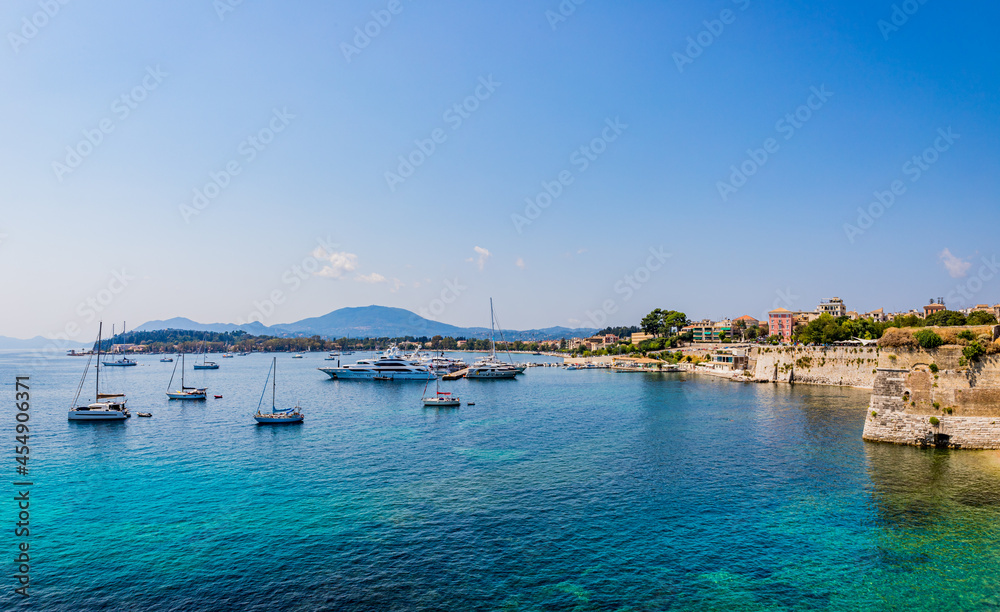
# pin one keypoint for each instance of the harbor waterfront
(557, 490)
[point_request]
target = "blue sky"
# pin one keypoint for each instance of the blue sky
(309, 221)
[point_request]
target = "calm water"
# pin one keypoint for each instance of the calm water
(581, 490)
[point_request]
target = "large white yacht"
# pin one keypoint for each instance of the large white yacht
(391, 365)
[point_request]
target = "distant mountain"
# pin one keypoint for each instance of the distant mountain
(255, 328)
(366, 322)
(32, 343)
(371, 322)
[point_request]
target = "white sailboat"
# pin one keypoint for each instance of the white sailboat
(440, 399)
(489, 367)
(276, 417)
(185, 393)
(206, 364)
(124, 361)
(106, 406)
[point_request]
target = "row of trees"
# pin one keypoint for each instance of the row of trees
(827, 329)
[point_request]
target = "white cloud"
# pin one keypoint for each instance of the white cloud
(397, 284)
(483, 256)
(371, 279)
(957, 267)
(337, 264)
(519, 263)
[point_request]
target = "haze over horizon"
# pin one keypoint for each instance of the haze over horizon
(226, 161)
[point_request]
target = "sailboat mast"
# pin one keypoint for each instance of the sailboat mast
(493, 344)
(274, 381)
(182, 371)
(97, 382)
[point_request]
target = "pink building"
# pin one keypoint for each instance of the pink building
(781, 322)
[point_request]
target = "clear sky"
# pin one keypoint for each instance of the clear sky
(634, 114)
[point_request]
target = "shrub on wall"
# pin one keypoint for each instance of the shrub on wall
(934, 368)
(928, 339)
(968, 335)
(973, 352)
(934, 421)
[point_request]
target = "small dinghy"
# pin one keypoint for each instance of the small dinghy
(143, 414)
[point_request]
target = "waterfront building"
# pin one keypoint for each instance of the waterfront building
(933, 307)
(879, 316)
(730, 359)
(781, 323)
(834, 307)
(638, 337)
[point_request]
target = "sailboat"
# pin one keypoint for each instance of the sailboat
(490, 367)
(185, 393)
(106, 406)
(276, 417)
(206, 364)
(124, 361)
(440, 399)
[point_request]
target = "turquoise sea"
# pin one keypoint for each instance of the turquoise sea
(560, 490)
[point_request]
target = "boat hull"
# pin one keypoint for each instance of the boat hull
(345, 374)
(264, 419)
(433, 403)
(115, 364)
(97, 415)
(490, 374)
(180, 395)
(206, 367)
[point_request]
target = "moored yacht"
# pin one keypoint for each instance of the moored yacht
(391, 365)
(276, 416)
(123, 362)
(106, 406)
(185, 393)
(490, 367)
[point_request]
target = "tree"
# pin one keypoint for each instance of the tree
(651, 322)
(946, 318)
(981, 318)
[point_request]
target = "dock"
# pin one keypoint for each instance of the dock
(455, 375)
